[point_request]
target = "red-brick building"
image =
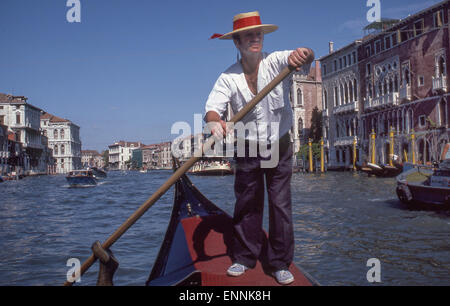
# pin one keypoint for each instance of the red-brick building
(401, 77)
(305, 95)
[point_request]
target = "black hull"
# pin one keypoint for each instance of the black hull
(422, 195)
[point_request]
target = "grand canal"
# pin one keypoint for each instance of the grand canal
(341, 221)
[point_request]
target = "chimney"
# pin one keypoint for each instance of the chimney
(331, 45)
(318, 73)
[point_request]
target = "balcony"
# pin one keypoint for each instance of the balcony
(388, 100)
(346, 108)
(440, 84)
(344, 141)
(405, 93)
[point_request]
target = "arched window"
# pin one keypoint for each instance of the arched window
(395, 83)
(406, 77)
(409, 120)
(346, 92)
(300, 127)
(325, 99)
(55, 150)
(299, 97)
(391, 85)
(341, 100)
(442, 69)
(369, 90)
(63, 150)
(355, 90)
(18, 118)
(351, 90)
(336, 96)
(61, 133)
(55, 134)
(442, 113)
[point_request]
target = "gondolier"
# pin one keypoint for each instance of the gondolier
(237, 86)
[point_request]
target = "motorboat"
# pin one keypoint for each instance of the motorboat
(425, 185)
(81, 178)
(212, 167)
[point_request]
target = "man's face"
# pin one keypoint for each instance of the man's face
(251, 41)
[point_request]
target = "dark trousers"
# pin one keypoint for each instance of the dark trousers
(249, 242)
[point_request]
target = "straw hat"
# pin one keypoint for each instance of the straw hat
(247, 21)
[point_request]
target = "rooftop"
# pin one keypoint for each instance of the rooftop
(19, 100)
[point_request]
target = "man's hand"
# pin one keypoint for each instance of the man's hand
(217, 126)
(300, 57)
(218, 129)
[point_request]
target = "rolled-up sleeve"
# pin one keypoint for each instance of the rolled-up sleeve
(219, 97)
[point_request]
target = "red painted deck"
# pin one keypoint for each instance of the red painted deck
(208, 238)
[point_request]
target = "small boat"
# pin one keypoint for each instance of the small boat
(196, 247)
(98, 173)
(425, 185)
(13, 176)
(363, 168)
(81, 178)
(219, 168)
(382, 170)
(143, 171)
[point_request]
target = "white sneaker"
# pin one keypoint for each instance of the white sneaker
(236, 270)
(283, 277)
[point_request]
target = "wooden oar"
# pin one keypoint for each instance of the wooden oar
(182, 170)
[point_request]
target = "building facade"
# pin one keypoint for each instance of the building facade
(341, 103)
(392, 81)
(4, 151)
(150, 156)
(404, 73)
(120, 154)
(165, 155)
(91, 158)
(306, 94)
(64, 139)
(22, 119)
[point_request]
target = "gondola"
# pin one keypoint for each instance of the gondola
(98, 173)
(382, 170)
(195, 249)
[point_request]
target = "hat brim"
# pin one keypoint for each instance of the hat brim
(266, 29)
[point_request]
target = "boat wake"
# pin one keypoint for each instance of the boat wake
(78, 186)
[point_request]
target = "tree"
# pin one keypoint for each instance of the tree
(304, 151)
(106, 157)
(316, 125)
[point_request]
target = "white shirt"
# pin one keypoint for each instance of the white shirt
(272, 117)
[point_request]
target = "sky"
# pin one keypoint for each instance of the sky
(132, 68)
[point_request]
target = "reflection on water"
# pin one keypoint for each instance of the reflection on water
(341, 221)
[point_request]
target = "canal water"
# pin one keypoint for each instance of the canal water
(341, 221)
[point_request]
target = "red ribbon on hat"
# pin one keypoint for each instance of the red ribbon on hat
(246, 22)
(241, 23)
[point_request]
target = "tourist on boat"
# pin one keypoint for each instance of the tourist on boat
(237, 86)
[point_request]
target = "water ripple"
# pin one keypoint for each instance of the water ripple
(340, 221)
